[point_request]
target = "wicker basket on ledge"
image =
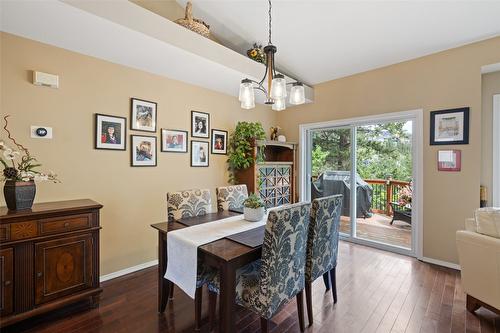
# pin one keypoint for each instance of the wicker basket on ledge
(192, 23)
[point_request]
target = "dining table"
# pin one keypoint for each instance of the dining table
(225, 254)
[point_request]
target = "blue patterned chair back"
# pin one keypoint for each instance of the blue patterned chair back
(231, 196)
(188, 203)
(283, 256)
(323, 236)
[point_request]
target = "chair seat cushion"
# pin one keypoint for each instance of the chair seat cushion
(205, 274)
(247, 285)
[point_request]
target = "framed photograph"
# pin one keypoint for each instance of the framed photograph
(219, 142)
(199, 153)
(450, 127)
(143, 150)
(200, 124)
(174, 141)
(143, 115)
(110, 132)
(449, 160)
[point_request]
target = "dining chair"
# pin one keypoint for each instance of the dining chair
(191, 203)
(265, 285)
(188, 203)
(232, 196)
(322, 245)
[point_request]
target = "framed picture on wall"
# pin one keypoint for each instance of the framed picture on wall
(200, 124)
(174, 141)
(142, 115)
(449, 160)
(199, 153)
(110, 132)
(143, 150)
(450, 127)
(219, 142)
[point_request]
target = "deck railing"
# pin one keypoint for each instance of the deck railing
(385, 192)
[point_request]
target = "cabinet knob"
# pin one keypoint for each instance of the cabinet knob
(66, 224)
(7, 283)
(39, 274)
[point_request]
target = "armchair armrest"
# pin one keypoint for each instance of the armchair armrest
(479, 257)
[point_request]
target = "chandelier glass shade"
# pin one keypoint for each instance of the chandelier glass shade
(276, 92)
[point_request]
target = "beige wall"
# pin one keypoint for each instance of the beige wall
(133, 198)
(169, 9)
(444, 80)
(490, 87)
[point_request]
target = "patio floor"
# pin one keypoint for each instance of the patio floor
(378, 228)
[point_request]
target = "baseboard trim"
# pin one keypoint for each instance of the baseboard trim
(128, 270)
(441, 263)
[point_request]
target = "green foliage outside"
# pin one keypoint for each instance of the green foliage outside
(383, 151)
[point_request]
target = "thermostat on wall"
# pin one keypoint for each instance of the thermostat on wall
(41, 132)
(45, 79)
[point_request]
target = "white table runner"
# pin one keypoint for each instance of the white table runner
(182, 247)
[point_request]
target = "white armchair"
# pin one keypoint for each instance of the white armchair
(479, 257)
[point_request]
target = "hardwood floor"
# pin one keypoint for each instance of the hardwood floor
(377, 292)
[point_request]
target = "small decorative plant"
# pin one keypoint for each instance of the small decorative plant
(20, 171)
(274, 132)
(240, 148)
(257, 53)
(253, 208)
(253, 201)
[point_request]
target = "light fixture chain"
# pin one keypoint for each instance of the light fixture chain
(270, 21)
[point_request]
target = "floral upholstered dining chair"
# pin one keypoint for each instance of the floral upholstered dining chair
(229, 197)
(265, 285)
(188, 203)
(322, 245)
(192, 203)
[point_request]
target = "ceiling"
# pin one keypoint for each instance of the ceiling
(322, 40)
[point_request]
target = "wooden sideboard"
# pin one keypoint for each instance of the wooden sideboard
(272, 179)
(49, 257)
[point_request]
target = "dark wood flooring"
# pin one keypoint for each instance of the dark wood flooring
(377, 292)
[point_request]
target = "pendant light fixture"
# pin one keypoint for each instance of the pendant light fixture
(276, 93)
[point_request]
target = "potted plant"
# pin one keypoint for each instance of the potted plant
(240, 148)
(253, 208)
(405, 196)
(20, 172)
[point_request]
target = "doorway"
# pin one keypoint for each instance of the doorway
(382, 155)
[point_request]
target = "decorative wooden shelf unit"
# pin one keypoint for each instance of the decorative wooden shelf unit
(49, 257)
(274, 178)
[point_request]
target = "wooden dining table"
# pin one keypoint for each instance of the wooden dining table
(224, 254)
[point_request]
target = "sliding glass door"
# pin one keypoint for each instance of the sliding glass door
(371, 163)
(331, 157)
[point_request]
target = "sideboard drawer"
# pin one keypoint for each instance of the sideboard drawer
(4, 232)
(64, 224)
(23, 230)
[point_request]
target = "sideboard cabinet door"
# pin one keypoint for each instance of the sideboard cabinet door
(6, 276)
(62, 267)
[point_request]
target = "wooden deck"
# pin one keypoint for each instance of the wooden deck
(378, 228)
(378, 291)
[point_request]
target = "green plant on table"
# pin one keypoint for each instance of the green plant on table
(253, 201)
(240, 148)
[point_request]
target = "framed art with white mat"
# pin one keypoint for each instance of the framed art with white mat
(143, 150)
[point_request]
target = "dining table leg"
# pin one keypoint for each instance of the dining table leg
(227, 298)
(163, 284)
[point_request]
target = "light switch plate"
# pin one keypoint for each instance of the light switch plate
(34, 134)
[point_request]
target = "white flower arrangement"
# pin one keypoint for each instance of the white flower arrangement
(19, 165)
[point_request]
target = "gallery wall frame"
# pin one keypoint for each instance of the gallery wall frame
(450, 127)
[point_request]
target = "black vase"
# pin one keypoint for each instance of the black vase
(19, 195)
